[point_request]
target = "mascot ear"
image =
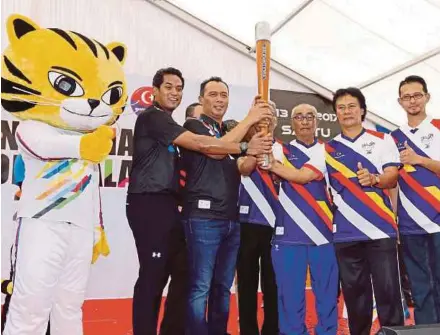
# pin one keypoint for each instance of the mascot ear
(119, 50)
(18, 25)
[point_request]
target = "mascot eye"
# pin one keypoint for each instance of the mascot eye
(112, 95)
(65, 85)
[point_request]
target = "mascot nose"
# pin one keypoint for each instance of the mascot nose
(93, 103)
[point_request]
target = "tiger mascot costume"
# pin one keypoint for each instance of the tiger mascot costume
(67, 90)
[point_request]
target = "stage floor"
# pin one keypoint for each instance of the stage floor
(113, 317)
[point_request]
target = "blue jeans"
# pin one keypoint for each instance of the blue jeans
(212, 253)
(421, 254)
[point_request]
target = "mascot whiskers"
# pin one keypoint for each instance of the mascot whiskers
(67, 90)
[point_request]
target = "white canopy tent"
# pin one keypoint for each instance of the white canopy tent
(328, 44)
(318, 46)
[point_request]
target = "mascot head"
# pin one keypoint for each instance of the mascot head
(61, 77)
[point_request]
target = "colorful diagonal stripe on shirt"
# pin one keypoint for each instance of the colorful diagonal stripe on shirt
(434, 190)
(304, 215)
(59, 201)
(55, 187)
(268, 181)
(259, 200)
(338, 166)
(420, 190)
(63, 181)
(379, 201)
(45, 168)
(325, 215)
(366, 200)
(301, 220)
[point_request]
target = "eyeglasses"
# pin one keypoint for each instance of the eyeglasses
(300, 118)
(416, 96)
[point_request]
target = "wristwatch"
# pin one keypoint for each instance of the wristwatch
(243, 148)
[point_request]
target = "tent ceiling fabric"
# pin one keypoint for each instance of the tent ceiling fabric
(237, 18)
(340, 43)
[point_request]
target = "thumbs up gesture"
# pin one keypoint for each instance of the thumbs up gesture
(409, 156)
(364, 176)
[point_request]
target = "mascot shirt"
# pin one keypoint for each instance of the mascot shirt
(59, 185)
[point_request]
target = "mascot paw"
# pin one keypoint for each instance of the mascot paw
(96, 146)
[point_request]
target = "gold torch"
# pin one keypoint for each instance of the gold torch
(262, 49)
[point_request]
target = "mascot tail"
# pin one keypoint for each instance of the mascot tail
(100, 246)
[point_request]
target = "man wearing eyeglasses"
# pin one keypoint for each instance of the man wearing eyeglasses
(362, 165)
(418, 204)
(303, 228)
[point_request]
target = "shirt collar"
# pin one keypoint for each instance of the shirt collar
(159, 107)
(353, 139)
(308, 146)
(426, 121)
(210, 121)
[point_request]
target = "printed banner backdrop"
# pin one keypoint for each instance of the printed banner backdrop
(286, 100)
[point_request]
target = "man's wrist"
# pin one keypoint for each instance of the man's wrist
(247, 122)
(243, 148)
(274, 165)
(375, 180)
(421, 160)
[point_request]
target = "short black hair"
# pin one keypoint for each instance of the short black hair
(354, 92)
(414, 79)
(190, 109)
(158, 77)
(217, 79)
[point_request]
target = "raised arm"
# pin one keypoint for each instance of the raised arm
(214, 146)
(45, 143)
(390, 166)
(280, 166)
(409, 156)
(299, 176)
(388, 179)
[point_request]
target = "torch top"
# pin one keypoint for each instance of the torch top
(262, 31)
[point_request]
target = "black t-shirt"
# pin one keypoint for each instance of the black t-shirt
(154, 168)
(211, 189)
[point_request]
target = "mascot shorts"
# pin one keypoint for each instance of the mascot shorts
(52, 268)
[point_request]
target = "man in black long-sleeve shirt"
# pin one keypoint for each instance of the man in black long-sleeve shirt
(152, 203)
